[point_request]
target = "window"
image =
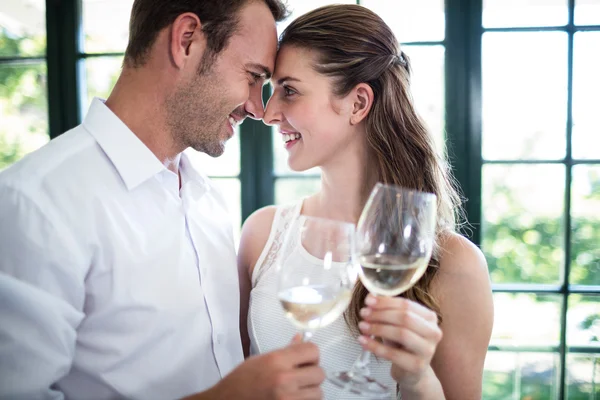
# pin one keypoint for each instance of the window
(540, 195)
(510, 86)
(23, 77)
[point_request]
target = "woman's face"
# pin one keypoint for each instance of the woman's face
(314, 123)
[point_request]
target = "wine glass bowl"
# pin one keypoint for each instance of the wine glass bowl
(395, 237)
(317, 272)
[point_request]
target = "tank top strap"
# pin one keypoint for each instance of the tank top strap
(284, 215)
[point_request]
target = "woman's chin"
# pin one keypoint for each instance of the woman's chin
(299, 167)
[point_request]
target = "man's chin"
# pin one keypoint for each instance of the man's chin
(214, 149)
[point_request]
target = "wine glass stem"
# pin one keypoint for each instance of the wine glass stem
(306, 335)
(363, 360)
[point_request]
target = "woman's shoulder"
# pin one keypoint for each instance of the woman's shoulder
(254, 237)
(257, 230)
(459, 255)
(463, 279)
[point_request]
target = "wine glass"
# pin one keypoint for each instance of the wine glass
(317, 272)
(395, 237)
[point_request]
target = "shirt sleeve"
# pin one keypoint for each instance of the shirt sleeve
(42, 273)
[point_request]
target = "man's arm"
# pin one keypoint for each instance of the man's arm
(42, 292)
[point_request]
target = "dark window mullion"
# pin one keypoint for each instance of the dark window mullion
(96, 55)
(565, 161)
(21, 60)
(567, 208)
(428, 43)
(256, 164)
(463, 102)
(565, 28)
(63, 24)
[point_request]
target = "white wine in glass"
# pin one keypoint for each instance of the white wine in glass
(395, 238)
(387, 275)
(317, 271)
(315, 306)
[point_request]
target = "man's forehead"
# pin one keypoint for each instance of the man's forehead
(257, 36)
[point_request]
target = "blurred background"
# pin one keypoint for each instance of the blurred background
(510, 89)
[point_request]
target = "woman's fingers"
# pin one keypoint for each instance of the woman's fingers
(405, 339)
(401, 318)
(401, 358)
(377, 303)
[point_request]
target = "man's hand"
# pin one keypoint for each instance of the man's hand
(289, 373)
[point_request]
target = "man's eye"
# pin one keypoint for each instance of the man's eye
(255, 77)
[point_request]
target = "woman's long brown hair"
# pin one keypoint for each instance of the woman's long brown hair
(355, 46)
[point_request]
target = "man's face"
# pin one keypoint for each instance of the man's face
(204, 111)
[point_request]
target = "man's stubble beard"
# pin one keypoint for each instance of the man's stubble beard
(196, 114)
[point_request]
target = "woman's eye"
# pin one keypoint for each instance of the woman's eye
(288, 92)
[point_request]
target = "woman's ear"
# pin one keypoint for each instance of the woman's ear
(362, 96)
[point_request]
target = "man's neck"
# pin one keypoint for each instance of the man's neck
(140, 106)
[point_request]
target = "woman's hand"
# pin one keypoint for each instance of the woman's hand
(410, 336)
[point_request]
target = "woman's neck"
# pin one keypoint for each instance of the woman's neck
(345, 185)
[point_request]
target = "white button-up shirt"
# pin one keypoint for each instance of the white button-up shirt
(114, 283)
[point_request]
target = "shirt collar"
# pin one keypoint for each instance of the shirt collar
(190, 177)
(134, 161)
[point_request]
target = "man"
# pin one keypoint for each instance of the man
(118, 275)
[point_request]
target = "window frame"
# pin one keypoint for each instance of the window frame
(463, 123)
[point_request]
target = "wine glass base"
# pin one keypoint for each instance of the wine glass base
(359, 384)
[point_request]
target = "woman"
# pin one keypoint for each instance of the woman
(342, 102)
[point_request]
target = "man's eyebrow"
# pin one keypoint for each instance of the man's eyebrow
(266, 72)
(287, 79)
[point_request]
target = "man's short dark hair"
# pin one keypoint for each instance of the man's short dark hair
(220, 19)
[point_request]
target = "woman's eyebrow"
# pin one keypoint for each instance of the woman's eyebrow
(288, 79)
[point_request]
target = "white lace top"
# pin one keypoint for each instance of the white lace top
(269, 329)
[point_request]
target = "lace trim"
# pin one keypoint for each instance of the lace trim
(281, 223)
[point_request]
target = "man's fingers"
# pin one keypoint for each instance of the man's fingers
(296, 354)
(312, 393)
(296, 339)
(309, 377)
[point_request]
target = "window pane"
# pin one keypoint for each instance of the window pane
(583, 376)
(526, 320)
(587, 12)
(585, 222)
(524, 95)
(101, 74)
(105, 25)
(522, 227)
(583, 321)
(280, 158)
(227, 164)
(513, 13)
(412, 21)
(299, 7)
(427, 85)
(22, 28)
(586, 103)
(23, 110)
(231, 190)
(527, 376)
(291, 190)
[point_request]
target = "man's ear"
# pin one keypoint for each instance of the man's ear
(362, 97)
(187, 41)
